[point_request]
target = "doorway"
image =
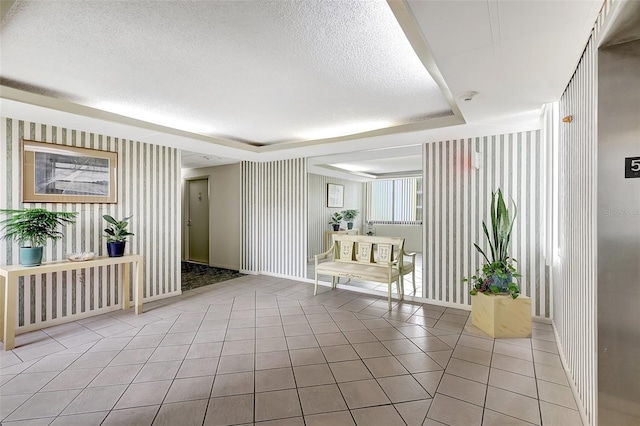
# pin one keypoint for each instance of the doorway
(394, 176)
(197, 220)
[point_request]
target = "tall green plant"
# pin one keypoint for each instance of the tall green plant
(501, 228)
(498, 272)
(35, 226)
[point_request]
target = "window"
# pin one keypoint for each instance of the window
(396, 201)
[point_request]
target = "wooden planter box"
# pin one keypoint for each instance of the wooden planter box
(501, 316)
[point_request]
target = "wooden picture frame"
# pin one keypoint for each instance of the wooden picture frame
(53, 173)
(335, 195)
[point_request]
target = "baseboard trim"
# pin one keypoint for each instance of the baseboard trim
(283, 276)
(542, 320)
(572, 385)
(221, 266)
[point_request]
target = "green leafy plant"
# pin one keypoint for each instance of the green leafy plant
(497, 274)
(336, 219)
(118, 229)
(35, 226)
(349, 215)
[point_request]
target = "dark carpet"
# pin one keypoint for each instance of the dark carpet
(195, 275)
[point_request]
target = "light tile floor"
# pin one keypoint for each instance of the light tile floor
(261, 350)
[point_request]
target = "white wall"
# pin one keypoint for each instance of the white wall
(412, 235)
(319, 213)
(224, 213)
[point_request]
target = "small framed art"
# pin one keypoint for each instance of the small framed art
(335, 195)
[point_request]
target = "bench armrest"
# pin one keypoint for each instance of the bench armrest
(411, 255)
(323, 255)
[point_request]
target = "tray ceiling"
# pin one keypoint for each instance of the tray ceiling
(263, 80)
(255, 72)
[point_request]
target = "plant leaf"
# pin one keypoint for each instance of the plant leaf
(491, 247)
(481, 252)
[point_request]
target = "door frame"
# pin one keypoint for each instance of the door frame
(185, 209)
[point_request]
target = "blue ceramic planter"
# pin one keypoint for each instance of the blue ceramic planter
(30, 256)
(116, 248)
(502, 283)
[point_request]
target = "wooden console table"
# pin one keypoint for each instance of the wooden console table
(9, 286)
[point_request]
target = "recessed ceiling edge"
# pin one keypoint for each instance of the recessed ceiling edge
(37, 100)
(412, 31)
(434, 123)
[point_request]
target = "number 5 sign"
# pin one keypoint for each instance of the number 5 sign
(632, 167)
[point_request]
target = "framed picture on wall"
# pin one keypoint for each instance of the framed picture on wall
(53, 173)
(335, 195)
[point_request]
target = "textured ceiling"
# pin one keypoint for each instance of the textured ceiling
(231, 77)
(259, 72)
(196, 160)
(517, 55)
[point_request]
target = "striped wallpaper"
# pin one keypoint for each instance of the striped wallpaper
(456, 201)
(319, 213)
(148, 188)
(575, 278)
(274, 218)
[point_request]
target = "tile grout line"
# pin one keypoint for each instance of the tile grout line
(535, 378)
(124, 391)
(295, 381)
(300, 296)
(181, 364)
(57, 375)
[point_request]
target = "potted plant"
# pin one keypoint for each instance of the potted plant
(116, 235)
(335, 221)
(497, 274)
(32, 228)
(348, 216)
(495, 315)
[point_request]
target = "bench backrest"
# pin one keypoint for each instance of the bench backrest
(367, 249)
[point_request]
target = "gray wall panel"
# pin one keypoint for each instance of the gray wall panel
(618, 229)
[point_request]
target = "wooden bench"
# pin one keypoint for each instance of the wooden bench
(370, 258)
